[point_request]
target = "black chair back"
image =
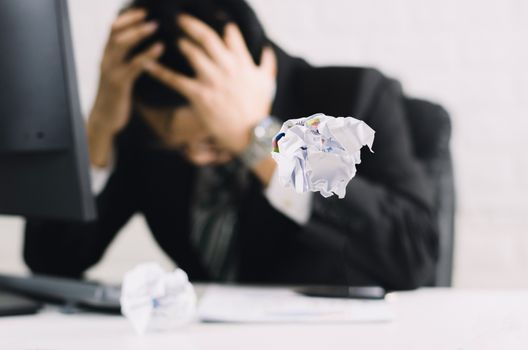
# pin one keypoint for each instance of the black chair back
(430, 127)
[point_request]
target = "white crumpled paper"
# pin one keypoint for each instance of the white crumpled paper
(319, 153)
(155, 300)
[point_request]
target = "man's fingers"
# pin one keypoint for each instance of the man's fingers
(200, 62)
(132, 36)
(268, 61)
(128, 18)
(179, 82)
(236, 43)
(151, 54)
(204, 36)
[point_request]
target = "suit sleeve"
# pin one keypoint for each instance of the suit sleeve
(384, 227)
(68, 249)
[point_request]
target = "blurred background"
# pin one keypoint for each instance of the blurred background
(469, 56)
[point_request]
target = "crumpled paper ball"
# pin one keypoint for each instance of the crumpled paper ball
(155, 300)
(319, 153)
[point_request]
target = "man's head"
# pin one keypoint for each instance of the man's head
(215, 13)
(242, 83)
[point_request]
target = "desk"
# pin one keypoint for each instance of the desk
(425, 319)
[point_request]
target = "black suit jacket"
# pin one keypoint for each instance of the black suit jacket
(381, 233)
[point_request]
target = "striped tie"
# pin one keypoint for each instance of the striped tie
(215, 217)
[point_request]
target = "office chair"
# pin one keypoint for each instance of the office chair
(430, 128)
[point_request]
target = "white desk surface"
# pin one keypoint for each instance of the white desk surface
(425, 319)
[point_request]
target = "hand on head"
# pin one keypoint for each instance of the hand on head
(230, 93)
(112, 107)
(118, 74)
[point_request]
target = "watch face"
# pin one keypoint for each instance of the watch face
(260, 131)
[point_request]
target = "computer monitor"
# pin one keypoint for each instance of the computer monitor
(43, 153)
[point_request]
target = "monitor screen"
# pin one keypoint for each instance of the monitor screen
(43, 153)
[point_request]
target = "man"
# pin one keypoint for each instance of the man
(189, 93)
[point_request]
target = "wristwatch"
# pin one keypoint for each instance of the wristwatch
(260, 145)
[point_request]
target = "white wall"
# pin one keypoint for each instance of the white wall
(468, 55)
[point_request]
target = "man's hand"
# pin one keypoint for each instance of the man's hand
(230, 93)
(117, 73)
(112, 107)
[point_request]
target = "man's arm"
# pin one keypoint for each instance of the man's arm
(384, 228)
(112, 107)
(68, 249)
(388, 208)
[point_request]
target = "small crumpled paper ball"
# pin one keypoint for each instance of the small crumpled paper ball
(319, 153)
(156, 300)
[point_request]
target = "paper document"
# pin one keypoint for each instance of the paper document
(320, 153)
(278, 305)
(156, 300)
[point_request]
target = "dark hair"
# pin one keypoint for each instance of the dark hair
(216, 13)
